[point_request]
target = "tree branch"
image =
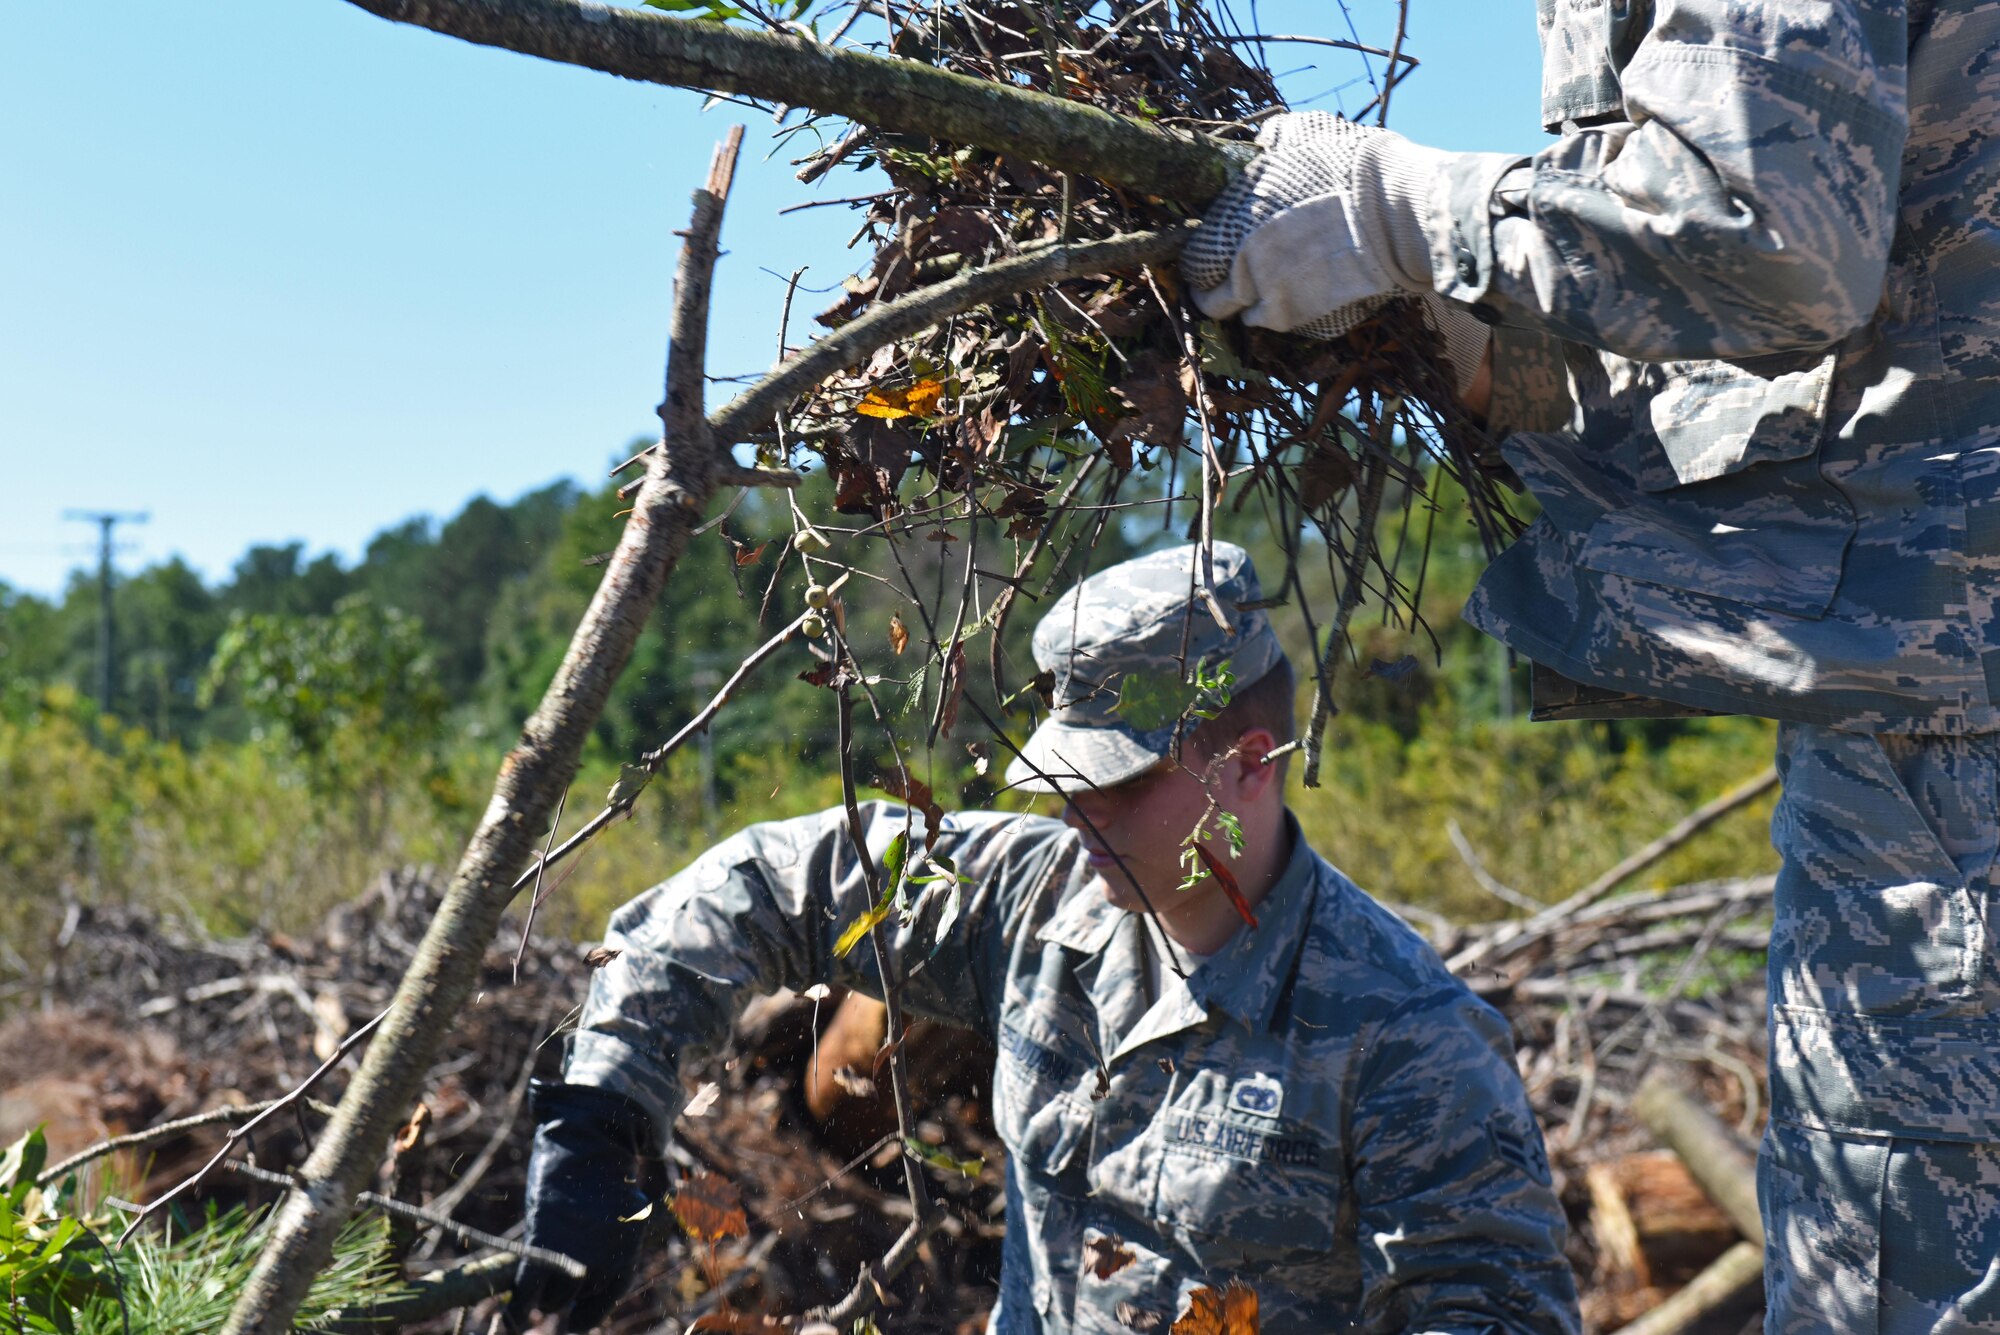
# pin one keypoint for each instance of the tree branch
(679, 482)
(898, 95)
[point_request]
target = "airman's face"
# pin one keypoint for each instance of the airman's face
(1146, 822)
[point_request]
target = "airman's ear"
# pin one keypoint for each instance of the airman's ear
(1253, 776)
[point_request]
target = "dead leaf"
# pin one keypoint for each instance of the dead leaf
(854, 1083)
(982, 757)
(1324, 477)
(833, 676)
(1138, 1318)
(1233, 1311)
(1395, 671)
(940, 535)
(704, 1099)
(884, 1053)
(750, 556)
(710, 1208)
(908, 788)
(1106, 1255)
(412, 1133)
(600, 956)
(899, 634)
(1227, 880)
(954, 689)
(734, 1323)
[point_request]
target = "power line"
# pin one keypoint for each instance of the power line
(107, 622)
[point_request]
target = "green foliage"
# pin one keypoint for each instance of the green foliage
(351, 692)
(58, 1278)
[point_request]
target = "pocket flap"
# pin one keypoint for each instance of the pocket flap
(1713, 418)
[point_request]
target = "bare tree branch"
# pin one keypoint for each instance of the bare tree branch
(679, 482)
(899, 95)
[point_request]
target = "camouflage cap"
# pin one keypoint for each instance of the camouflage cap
(1123, 646)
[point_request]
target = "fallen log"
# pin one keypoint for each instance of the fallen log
(1731, 1278)
(1719, 1161)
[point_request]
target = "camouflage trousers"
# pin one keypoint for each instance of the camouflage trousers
(1880, 1172)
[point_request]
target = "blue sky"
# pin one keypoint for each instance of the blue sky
(284, 271)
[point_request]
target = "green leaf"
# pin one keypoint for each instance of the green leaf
(947, 917)
(23, 1160)
(942, 1159)
(1151, 700)
(893, 859)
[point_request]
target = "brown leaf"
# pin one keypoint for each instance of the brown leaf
(854, 1083)
(1151, 402)
(735, 1323)
(908, 788)
(899, 634)
(710, 1208)
(1325, 476)
(833, 676)
(884, 1053)
(954, 689)
(1233, 1311)
(412, 1133)
(1105, 1256)
(867, 465)
(1227, 880)
(1044, 685)
(599, 956)
(1139, 1319)
(750, 556)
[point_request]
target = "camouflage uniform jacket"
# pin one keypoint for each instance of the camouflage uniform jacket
(1320, 1110)
(1750, 339)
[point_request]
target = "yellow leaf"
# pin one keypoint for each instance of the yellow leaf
(861, 927)
(893, 402)
(899, 634)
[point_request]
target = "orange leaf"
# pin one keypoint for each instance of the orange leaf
(899, 634)
(750, 556)
(1227, 880)
(710, 1208)
(1233, 1311)
(892, 402)
(1106, 1256)
(412, 1133)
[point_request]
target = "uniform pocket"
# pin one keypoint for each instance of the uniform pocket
(1255, 1196)
(1872, 916)
(1821, 1196)
(1697, 523)
(1041, 1124)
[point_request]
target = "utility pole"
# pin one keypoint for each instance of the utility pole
(107, 623)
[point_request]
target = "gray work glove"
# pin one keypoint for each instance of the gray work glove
(1320, 230)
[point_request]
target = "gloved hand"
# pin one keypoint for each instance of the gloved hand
(1320, 230)
(583, 1180)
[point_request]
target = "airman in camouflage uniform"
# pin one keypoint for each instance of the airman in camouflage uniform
(1317, 1109)
(1747, 336)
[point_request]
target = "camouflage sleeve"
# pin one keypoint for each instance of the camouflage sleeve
(1745, 205)
(1459, 1226)
(1530, 384)
(765, 909)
